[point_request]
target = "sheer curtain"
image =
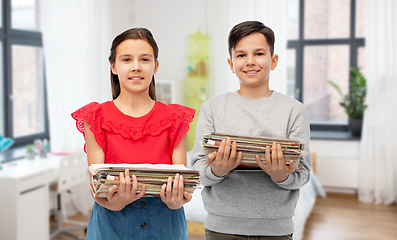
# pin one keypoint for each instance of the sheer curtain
(76, 45)
(222, 16)
(378, 158)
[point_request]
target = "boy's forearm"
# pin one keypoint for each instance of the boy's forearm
(296, 179)
(300, 130)
(199, 159)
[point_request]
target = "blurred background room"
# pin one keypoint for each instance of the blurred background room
(54, 59)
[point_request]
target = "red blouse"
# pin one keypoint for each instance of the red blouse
(125, 139)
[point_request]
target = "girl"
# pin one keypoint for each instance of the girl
(135, 128)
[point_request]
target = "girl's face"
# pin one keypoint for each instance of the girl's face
(135, 65)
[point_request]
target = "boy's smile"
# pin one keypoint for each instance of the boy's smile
(251, 72)
(252, 62)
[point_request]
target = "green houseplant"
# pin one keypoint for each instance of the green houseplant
(354, 101)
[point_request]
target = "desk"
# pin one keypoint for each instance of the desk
(24, 197)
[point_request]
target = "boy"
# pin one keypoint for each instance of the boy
(241, 203)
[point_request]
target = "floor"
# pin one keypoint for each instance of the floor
(339, 216)
(343, 217)
(78, 217)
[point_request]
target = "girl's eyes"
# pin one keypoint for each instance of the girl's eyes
(126, 60)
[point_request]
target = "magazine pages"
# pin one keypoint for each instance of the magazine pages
(251, 146)
(153, 176)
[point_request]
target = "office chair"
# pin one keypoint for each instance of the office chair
(73, 171)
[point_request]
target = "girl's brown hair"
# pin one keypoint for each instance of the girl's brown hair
(133, 33)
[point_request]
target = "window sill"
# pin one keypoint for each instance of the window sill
(333, 135)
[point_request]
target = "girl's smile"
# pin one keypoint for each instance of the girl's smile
(135, 78)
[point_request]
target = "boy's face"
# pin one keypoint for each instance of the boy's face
(251, 60)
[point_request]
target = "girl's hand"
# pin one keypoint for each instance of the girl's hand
(223, 161)
(275, 165)
(174, 195)
(125, 195)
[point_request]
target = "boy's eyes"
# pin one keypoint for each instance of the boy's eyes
(129, 60)
(256, 54)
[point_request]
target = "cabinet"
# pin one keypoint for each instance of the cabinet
(337, 164)
(24, 200)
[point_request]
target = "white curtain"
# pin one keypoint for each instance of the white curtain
(76, 44)
(222, 16)
(378, 158)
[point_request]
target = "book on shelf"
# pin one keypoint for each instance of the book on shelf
(250, 146)
(153, 176)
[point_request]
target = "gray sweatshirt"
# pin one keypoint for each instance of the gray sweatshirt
(249, 202)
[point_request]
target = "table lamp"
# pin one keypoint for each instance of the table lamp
(5, 143)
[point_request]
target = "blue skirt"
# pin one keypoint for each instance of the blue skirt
(145, 218)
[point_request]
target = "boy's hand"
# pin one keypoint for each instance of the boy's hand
(275, 165)
(125, 194)
(223, 161)
(174, 195)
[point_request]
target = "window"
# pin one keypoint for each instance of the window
(23, 97)
(326, 39)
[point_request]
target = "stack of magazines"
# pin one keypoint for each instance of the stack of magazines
(153, 176)
(251, 146)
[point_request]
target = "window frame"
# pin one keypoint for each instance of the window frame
(8, 38)
(299, 44)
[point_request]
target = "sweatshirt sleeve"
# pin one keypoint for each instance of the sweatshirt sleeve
(205, 125)
(300, 129)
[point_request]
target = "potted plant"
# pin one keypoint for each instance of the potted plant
(354, 101)
(30, 154)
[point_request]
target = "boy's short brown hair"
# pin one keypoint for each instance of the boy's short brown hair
(246, 28)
